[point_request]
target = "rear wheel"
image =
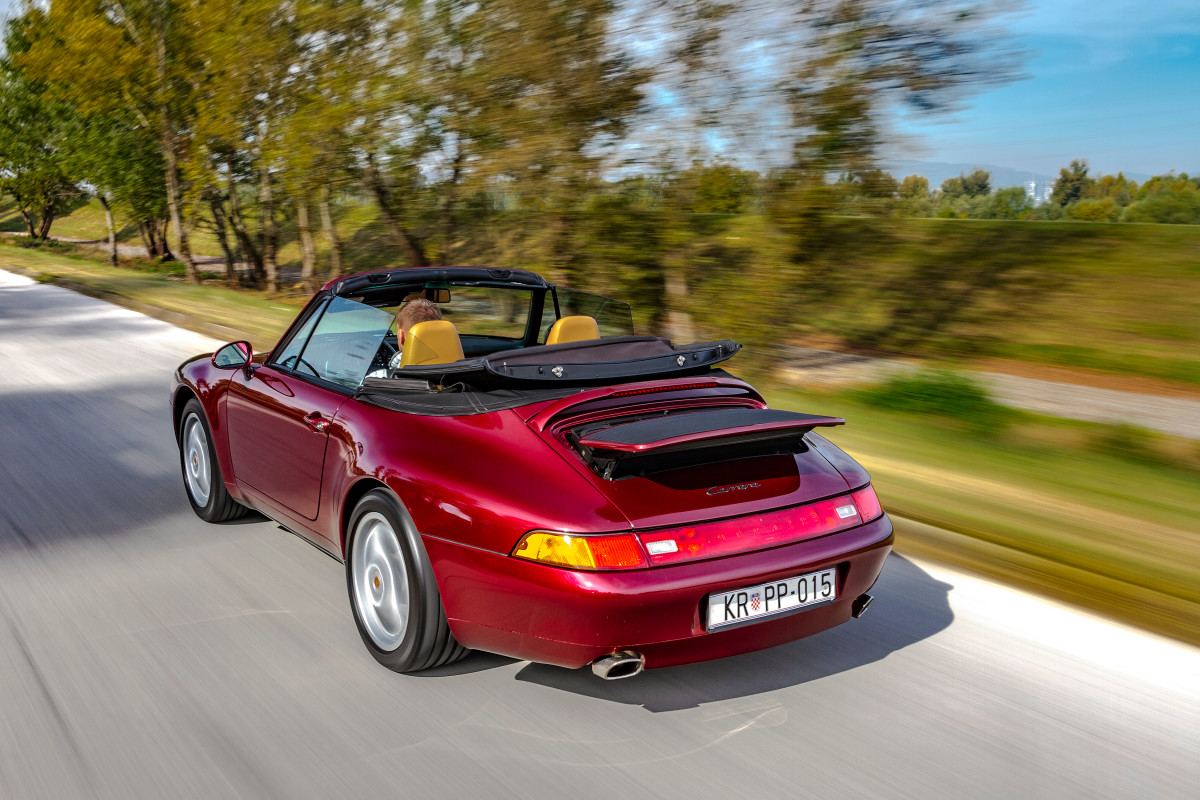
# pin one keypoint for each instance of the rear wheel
(201, 474)
(393, 594)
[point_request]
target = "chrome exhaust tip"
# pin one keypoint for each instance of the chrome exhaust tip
(860, 605)
(621, 664)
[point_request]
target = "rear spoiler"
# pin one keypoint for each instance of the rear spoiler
(695, 437)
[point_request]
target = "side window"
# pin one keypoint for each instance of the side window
(344, 343)
(290, 352)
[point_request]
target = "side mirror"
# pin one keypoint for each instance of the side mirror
(235, 355)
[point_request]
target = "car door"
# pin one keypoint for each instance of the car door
(281, 414)
(278, 428)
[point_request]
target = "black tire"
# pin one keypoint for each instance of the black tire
(217, 506)
(426, 640)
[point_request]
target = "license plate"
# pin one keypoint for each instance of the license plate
(768, 599)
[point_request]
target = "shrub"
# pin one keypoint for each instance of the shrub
(1178, 207)
(939, 393)
(1130, 443)
(1103, 210)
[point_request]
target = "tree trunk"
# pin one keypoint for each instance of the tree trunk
(308, 251)
(218, 212)
(335, 244)
(171, 154)
(29, 224)
(678, 324)
(245, 243)
(43, 232)
(449, 208)
(25, 215)
(112, 230)
(144, 232)
(413, 252)
(268, 230)
(164, 247)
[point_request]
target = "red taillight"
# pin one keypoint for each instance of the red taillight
(679, 387)
(616, 552)
(868, 503)
(760, 531)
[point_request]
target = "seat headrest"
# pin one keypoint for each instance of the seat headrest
(432, 342)
(573, 329)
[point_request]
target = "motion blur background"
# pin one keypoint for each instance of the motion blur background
(892, 204)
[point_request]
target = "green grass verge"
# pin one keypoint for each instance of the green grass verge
(210, 309)
(1048, 504)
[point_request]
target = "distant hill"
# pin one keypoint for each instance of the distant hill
(938, 171)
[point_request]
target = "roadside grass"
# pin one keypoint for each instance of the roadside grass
(1128, 301)
(210, 309)
(1101, 516)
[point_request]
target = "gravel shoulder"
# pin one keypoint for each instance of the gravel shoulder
(1176, 416)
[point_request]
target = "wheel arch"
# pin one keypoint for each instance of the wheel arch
(182, 395)
(355, 493)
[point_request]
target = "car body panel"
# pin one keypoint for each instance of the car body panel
(277, 451)
(570, 618)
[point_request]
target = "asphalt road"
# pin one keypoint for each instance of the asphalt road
(145, 654)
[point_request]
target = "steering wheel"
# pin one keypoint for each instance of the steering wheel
(296, 363)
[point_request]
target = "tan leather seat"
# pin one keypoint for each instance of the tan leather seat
(432, 342)
(573, 329)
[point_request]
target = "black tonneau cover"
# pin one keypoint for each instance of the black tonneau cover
(661, 442)
(593, 362)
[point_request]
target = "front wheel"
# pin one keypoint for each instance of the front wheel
(201, 474)
(393, 594)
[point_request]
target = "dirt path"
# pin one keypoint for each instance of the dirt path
(1177, 416)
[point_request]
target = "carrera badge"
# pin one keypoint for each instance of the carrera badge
(737, 487)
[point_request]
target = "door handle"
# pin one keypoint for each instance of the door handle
(315, 421)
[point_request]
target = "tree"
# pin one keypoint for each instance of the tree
(1009, 203)
(132, 57)
(976, 184)
(914, 187)
(715, 188)
(34, 138)
(863, 57)
(482, 93)
(1073, 183)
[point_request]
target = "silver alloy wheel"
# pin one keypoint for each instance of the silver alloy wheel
(197, 470)
(380, 581)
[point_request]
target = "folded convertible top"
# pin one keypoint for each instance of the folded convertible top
(596, 361)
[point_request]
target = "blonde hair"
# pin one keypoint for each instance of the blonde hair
(415, 311)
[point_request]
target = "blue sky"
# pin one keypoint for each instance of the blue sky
(1114, 81)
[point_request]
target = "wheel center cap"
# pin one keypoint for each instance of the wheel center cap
(375, 581)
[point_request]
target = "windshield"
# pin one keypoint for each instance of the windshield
(342, 345)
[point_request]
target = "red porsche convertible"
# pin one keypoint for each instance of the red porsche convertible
(519, 473)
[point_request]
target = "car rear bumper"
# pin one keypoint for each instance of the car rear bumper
(570, 618)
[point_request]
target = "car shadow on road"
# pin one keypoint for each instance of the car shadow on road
(910, 605)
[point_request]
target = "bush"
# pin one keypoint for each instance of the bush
(1103, 210)
(1178, 207)
(1130, 443)
(939, 393)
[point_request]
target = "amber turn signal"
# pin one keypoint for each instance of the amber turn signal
(617, 551)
